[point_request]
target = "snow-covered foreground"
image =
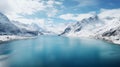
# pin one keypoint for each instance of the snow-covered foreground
(5, 38)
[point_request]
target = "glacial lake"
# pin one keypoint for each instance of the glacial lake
(57, 51)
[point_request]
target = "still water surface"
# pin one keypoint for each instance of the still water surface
(56, 51)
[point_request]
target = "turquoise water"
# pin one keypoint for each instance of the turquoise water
(56, 51)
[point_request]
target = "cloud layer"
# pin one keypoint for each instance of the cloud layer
(51, 9)
(103, 13)
(17, 9)
(109, 13)
(76, 17)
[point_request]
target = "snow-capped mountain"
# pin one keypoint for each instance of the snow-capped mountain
(84, 27)
(99, 26)
(107, 28)
(9, 28)
(28, 28)
(111, 31)
(6, 27)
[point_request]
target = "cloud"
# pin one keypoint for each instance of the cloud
(51, 9)
(16, 8)
(104, 13)
(76, 17)
(83, 3)
(24, 6)
(29, 21)
(38, 21)
(67, 16)
(56, 28)
(4, 6)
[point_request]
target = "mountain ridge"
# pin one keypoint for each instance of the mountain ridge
(95, 27)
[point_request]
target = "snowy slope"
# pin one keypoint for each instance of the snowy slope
(27, 28)
(97, 26)
(9, 28)
(110, 31)
(6, 27)
(85, 27)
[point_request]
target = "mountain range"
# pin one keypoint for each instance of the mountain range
(107, 28)
(95, 26)
(8, 27)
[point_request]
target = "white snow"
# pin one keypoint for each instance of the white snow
(4, 38)
(95, 26)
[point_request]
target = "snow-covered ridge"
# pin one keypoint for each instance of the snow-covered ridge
(11, 30)
(8, 27)
(101, 26)
(28, 29)
(83, 27)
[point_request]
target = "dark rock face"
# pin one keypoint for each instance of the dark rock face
(112, 32)
(77, 30)
(67, 30)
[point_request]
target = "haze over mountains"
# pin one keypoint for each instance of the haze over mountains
(104, 25)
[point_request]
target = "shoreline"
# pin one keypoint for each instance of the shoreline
(109, 40)
(7, 38)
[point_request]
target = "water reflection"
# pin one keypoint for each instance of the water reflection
(5, 53)
(54, 51)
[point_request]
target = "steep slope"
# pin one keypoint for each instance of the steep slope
(28, 28)
(9, 28)
(6, 27)
(107, 28)
(111, 32)
(85, 27)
